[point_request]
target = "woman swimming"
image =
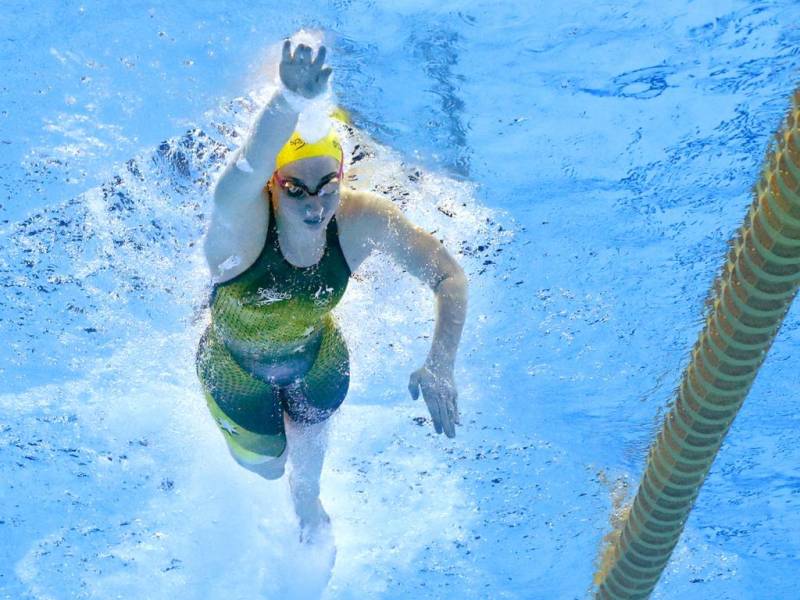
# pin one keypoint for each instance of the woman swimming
(283, 240)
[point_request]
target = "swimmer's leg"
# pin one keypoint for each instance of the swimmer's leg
(272, 468)
(246, 409)
(263, 462)
(309, 402)
(307, 443)
(262, 454)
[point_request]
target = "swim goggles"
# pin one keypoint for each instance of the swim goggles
(295, 189)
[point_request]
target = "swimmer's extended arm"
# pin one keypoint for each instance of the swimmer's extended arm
(252, 164)
(238, 223)
(374, 222)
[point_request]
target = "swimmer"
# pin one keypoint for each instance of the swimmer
(284, 238)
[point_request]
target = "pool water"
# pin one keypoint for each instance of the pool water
(587, 163)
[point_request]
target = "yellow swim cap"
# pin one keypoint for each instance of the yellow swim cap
(297, 148)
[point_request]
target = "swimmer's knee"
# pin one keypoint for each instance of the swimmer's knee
(269, 467)
(272, 469)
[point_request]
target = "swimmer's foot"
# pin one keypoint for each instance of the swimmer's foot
(315, 524)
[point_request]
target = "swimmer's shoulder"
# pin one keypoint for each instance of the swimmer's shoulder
(361, 218)
(236, 234)
(365, 210)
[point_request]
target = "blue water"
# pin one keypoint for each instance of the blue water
(587, 163)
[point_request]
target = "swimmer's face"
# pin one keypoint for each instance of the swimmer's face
(307, 191)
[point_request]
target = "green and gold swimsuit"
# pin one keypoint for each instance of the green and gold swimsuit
(273, 346)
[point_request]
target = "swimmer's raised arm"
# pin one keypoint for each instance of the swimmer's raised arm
(239, 222)
(251, 165)
(369, 221)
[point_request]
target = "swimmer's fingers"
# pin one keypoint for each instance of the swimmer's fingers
(433, 407)
(320, 60)
(448, 410)
(421, 380)
(302, 54)
(440, 397)
(452, 408)
(434, 398)
(443, 393)
(324, 74)
(302, 75)
(286, 54)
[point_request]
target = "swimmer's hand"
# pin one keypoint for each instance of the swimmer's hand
(439, 392)
(302, 75)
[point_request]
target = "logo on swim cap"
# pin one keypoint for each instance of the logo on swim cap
(297, 148)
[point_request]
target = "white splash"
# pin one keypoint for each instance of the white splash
(243, 165)
(229, 263)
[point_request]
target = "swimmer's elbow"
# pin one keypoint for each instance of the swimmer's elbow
(222, 191)
(454, 283)
(459, 278)
(238, 180)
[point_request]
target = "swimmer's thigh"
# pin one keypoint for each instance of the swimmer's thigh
(321, 391)
(247, 410)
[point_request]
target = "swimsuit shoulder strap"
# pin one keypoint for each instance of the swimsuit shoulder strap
(334, 246)
(272, 228)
